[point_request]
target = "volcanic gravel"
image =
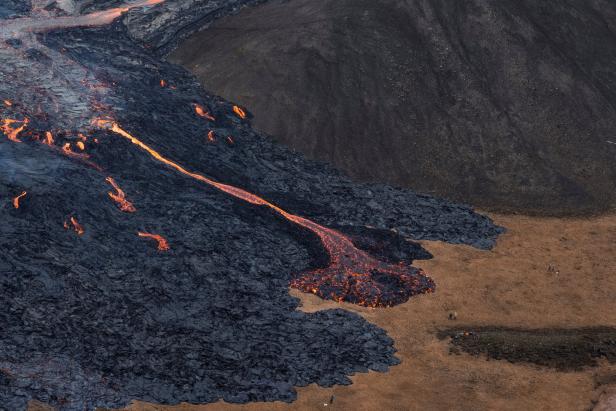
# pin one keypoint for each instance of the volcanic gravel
(508, 104)
(568, 349)
(102, 318)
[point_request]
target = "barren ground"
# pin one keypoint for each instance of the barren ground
(509, 286)
(505, 105)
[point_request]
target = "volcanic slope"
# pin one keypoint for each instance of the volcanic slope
(509, 105)
(127, 278)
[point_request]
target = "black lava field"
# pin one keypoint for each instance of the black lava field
(148, 236)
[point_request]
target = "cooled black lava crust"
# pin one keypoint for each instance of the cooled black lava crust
(103, 318)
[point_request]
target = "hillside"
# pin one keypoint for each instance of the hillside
(508, 105)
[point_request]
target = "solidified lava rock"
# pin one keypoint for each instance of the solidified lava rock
(98, 317)
(563, 349)
(13, 8)
(507, 104)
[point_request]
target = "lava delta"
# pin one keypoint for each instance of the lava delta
(149, 236)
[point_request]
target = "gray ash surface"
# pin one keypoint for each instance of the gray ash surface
(99, 319)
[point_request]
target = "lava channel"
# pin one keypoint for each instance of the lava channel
(352, 274)
(163, 245)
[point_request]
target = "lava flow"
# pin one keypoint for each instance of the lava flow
(77, 228)
(352, 274)
(120, 197)
(163, 245)
(48, 138)
(201, 112)
(240, 113)
(16, 199)
(12, 132)
(68, 151)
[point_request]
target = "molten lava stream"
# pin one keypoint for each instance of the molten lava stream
(120, 197)
(163, 245)
(201, 112)
(12, 132)
(352, 275)
(48, 138)
(77, 228)
(16, 199)
(240, 113)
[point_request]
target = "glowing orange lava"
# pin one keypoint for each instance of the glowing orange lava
(210, 136)
(240, 113)
(80, 145)
(163, 83)
(120, 197)
(78, 228)
(48, 138)
(201, 112)
(163, 245)
(352, 274)
(16, 199)
(66, 149)
(8, 103)
(13, 132)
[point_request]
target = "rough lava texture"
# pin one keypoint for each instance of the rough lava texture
(510, 105)
(13, 8)
(98, 319)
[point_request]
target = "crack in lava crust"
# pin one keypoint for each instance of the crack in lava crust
(352, 274)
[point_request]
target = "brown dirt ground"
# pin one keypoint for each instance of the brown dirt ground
(509, 286)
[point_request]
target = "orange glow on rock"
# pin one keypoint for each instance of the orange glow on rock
(12, 132)
(66, 149)
(240, 113)
(163, 245)
(16, 199)
(48, 138)
(77, 228)
(8, 103)
(120, 197)
(210, 136)
(201, 112)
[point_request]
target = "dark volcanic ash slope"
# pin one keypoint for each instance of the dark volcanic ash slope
(504, 104)
(100, 317)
